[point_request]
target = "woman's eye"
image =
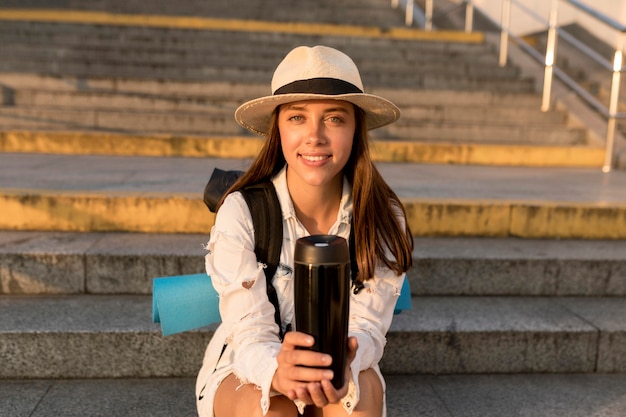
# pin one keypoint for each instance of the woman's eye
(296, 118)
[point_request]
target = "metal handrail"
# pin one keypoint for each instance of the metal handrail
(428, 13)
(599, 16)
(548, 59)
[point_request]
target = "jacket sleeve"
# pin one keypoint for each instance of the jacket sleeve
(244, 306)
(371, 313)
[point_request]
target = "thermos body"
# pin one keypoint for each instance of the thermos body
(322, 296)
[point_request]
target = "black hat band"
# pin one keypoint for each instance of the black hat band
(326, 86)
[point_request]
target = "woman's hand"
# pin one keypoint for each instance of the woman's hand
(298, 375)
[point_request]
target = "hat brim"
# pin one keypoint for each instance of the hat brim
(255, 115)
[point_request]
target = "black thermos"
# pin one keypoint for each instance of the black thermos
(322, 296)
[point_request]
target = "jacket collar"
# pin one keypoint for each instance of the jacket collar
(280, 183)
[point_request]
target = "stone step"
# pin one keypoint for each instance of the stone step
(45, 104)
(469, 132)
(420, 59)
(100, 100)
(428, 106)
(505, 115)
(89, 336)
(455, 79)
(411, 44)
(141, 57)
(194, 56)
(494, 395)
(371, 12)
(20, 22)
(141, 122)
(186, 115)
(28, 89)
(416, 125)
(431, 115)
(243, 147)
(433, 111)
(92, 263)
(142, 194)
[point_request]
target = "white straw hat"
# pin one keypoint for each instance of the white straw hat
(315, 73)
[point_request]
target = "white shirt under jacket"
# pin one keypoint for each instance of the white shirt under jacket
(248, 328)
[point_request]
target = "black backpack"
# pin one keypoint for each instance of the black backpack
(268, 222)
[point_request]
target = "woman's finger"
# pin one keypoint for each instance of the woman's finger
(294, 339)
(317, 394)
(302, 394)
(353, 346)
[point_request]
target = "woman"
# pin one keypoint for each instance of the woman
(317, 157)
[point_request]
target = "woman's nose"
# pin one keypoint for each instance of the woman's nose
(316, 134)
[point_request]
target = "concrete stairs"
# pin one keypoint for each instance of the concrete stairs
(481, 305)
(60, 76)
(490, 312)
(519, 284)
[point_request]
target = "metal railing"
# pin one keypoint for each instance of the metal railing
(615, 66)
(427, 18)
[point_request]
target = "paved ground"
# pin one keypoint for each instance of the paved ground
(573, 395)
(187, 175)
(143, 194)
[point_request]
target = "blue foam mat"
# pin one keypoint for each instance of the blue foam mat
(404, 301)
(186, 302)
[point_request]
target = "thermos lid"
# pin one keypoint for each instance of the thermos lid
(321, 249)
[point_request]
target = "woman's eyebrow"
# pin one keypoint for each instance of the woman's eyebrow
(337, 109)
(328, 110)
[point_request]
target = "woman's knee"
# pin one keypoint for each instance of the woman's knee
(370, 400)
(371, 395)
(233, 399)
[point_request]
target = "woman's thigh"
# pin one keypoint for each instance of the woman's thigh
(370, 398)
(233, 399)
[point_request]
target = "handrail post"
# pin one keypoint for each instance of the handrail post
(550, 57)
(408, 19)
(504, 34)
(394, 4)
(613, 104)
(469, 16)
(428, 10)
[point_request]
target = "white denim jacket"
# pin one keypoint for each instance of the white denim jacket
(246, 343)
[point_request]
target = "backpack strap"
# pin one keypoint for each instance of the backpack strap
(268, 235)
(268, 223)
(357, 283)
(218, 184)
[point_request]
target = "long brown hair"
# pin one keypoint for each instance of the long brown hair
(379, 235)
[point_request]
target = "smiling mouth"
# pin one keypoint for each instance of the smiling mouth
(315, 158)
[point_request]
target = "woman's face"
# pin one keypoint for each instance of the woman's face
(316, 139)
